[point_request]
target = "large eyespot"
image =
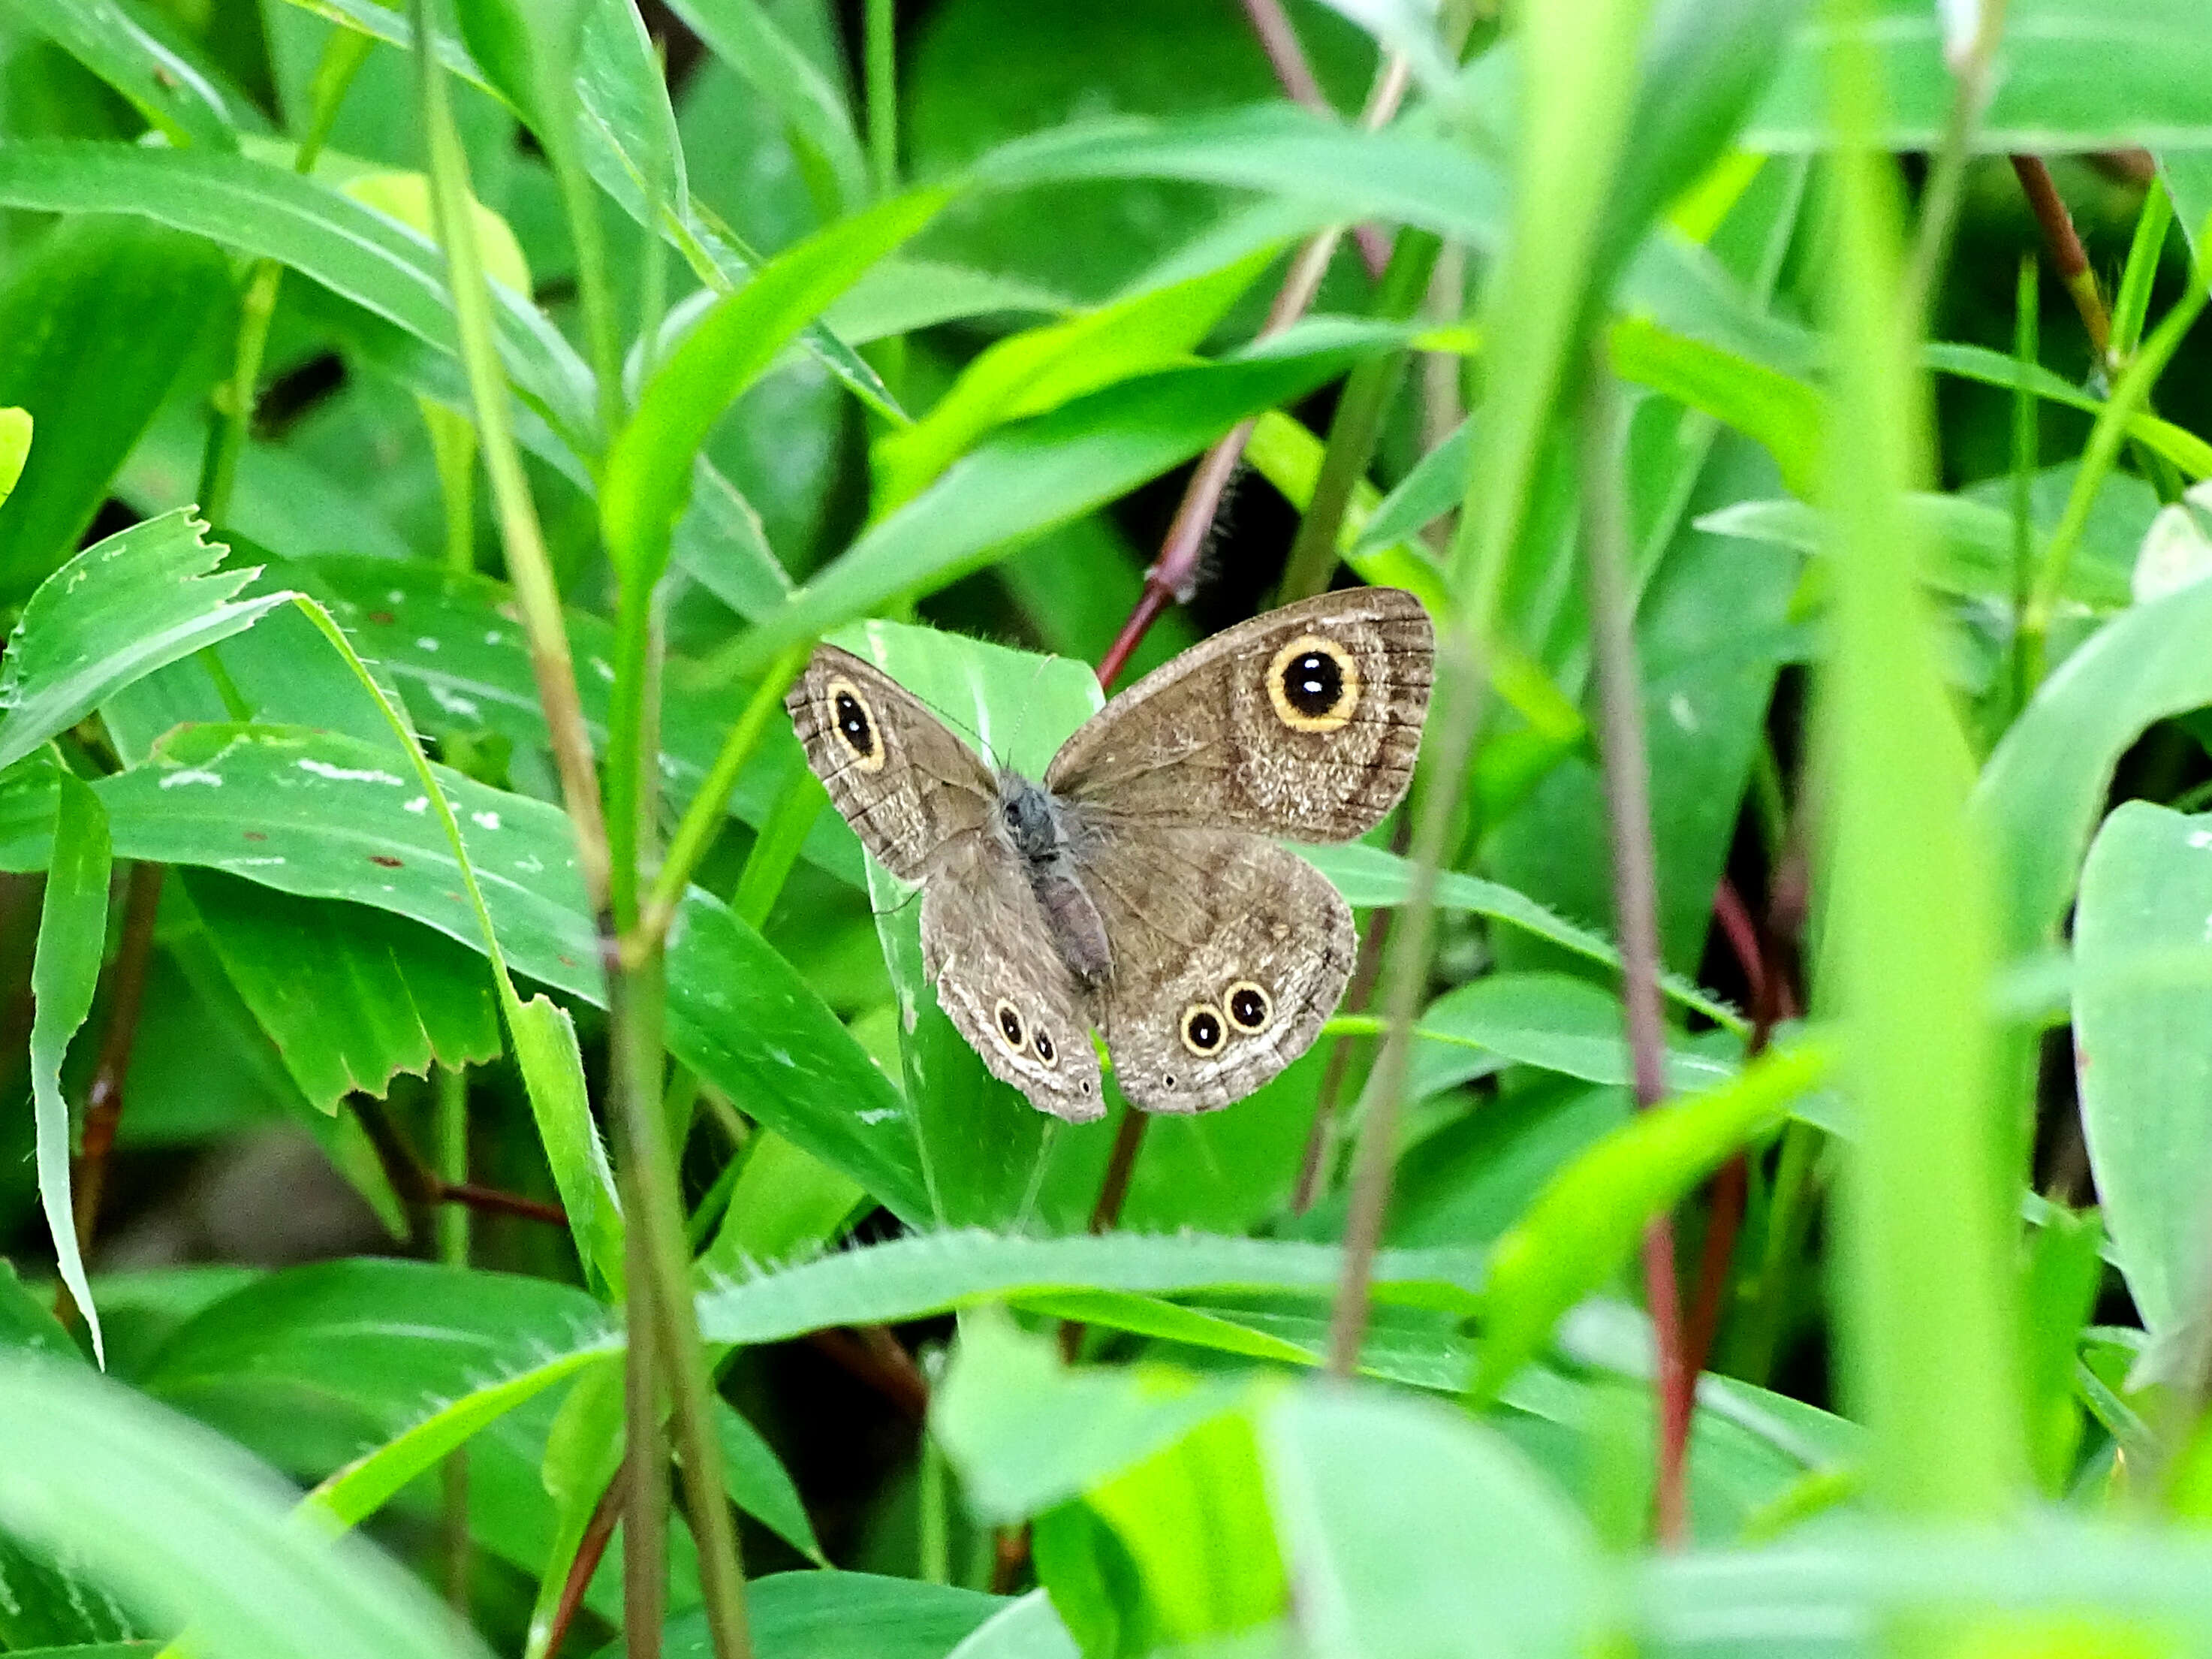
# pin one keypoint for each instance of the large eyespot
(1203, 1033)
(1008, 1019)
(1249, 1007)
(1314, 684)
(855, 725)
(1045, 1051)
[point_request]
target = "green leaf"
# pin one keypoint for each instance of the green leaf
(1780, 413)
(99, 315)
(1036, 371)
(2041, 791)
(552, 1067)
(1025, 1432)
(272, 213)
(28, 1324)
(138, 601)
(351, 996)
(1584, 1224)
(784, 1203)
(1371, 876)
(2191, 453)
(1410, 1530)
(2142, 983)
(176, 1521)
(1042, 472)
(140, 51)
(1557, 1023)
(745, 35)
(341, 821)
(2152, 69)
(64, 973)
(912, 1278)
(840, 1615)
(648, 471)
(1030, 1629)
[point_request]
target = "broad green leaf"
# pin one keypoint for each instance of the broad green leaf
(143, 598)
(1370, 876)
(648, 471)
(1554, 1022)
(1410, 1530)
(141, 51)
(1036, 371)
(1584, 1224)
(99, 316)
(901, 293)
(1194, 1518)
(840, 1615)
(1025, 1432)
(272, 213)
(2153, 69)
(2143, 996)
(178, 1522)
(1782, 414)
(351, 996)
(1029, 1629)
(912, 1278)
(27, 1325)
(1044, 471)
(784, 1203)
(339, 821)
(552, 1065)
(450, 645)
(64, 973)
(2041, 791)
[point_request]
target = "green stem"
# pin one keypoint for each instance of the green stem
(879, 70)
(645, 1441)
(529, 567)
(1367, 393)
(235, 400)
(1946, 176)
(2026, 451)
(452, 1153)
(703, 818)
(637, 1010)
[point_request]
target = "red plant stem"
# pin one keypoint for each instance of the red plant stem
(1635, 897)
(2067, 254)
(103, 1103)
(873, 1355)
(591, 1550)
(492, 1200)
(1286, 56)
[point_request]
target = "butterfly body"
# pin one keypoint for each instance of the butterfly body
(1136, 889)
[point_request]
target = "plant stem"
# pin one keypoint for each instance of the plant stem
(1286, 57)
(1113, 1193)
(1367, 393)
(1315, 1159)
(591, 1550)
(2026, 451)
(126, 995)
(637, 998)
(879, 70)
(703, 818)
(1634, 894)
(645, 1447)
(342, 55)
(536, 595)
(1973, 86)
(451, 1100)
(2067, 254)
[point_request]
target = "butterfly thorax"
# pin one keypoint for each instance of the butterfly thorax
(1040, 830)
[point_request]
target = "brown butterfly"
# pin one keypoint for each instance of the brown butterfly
(1137, 889)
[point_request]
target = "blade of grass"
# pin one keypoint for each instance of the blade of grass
(1930, 1350)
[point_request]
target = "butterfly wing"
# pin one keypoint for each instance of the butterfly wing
(999, 978)
(1229, 953)
(1302, 723)
(902, 779)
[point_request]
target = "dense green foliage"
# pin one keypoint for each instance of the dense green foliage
(451, 1060)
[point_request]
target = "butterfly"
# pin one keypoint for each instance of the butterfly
(1137, 890)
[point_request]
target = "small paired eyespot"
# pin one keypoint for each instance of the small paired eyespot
(855, 725)
(1008, 1019)
(1043, 1044)
(1313, 684)
(1203, 1033)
